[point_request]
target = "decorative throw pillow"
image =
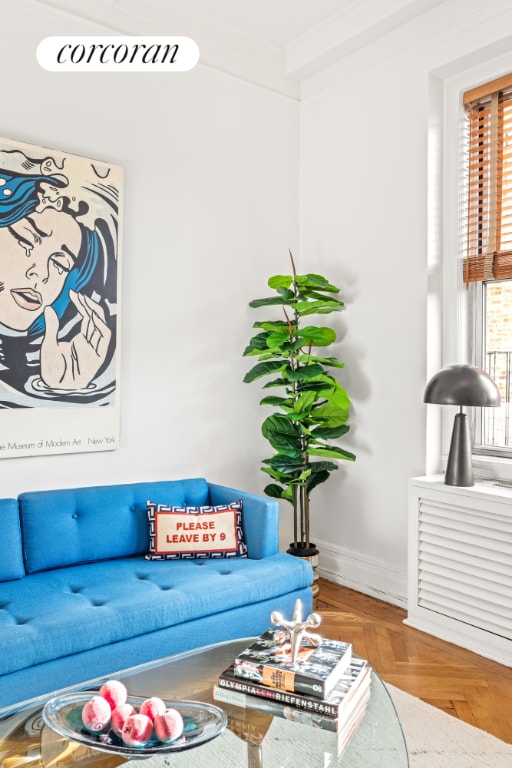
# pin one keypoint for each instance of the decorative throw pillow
(184, 533)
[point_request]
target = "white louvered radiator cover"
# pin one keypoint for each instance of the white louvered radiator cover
(465, 564)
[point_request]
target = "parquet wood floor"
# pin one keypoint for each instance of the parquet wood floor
(474, 689)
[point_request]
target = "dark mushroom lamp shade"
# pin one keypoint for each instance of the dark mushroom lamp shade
(461, 385)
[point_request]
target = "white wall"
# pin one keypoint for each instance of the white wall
(364, 222)
(204, 231)
(211, 207)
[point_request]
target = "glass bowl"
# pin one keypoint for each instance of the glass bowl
(203, 722)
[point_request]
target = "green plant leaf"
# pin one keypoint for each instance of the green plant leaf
(276, 383)
(278, 401)
(330, 416)
(294, 346)
(286, 464)
(332, 361)
(304, 402)
(274, 491)
(330, 433)
(272, 472)
(300, 418)
(334, 411)
(268, 302)
(257, 344)
(304, 308)
(321, 466)
(311, 386)
(304, 476)
(309, 293)
(276, 326)
(277, 339)
(332, 452)
(263, 369)
(329, 381)
(337, 395)
(287, 294)
(316, 281)
(280, 281)
(317, 479)
(288, 494)
(285, 478)
(319, 336)
(304, 372)
(271, 354)
(283, 434)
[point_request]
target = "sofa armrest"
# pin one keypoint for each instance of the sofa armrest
(260, 519)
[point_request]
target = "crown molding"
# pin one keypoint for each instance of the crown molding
(314, 62)
(482, 34)
(348, 31)
(222, 47)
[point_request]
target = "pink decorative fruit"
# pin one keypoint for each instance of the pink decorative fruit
(96, 714)
(137, 730)
(119, 716)
(169, 725)
(152, 707)
(114, 692)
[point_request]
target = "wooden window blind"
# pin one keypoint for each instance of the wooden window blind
(489, 201)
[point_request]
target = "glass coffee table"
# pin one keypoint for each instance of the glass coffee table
(252, 739)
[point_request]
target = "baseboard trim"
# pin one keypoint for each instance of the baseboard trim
(483, 643)
(367, 575)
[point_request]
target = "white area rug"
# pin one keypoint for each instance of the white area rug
(437, 740)
(434, 740)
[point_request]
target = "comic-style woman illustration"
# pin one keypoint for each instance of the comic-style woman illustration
(58, 276)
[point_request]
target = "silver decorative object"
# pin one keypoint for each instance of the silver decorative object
(295, 630)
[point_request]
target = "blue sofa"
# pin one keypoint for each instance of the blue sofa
(79, 600)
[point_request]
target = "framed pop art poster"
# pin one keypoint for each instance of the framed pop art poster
(59, 290)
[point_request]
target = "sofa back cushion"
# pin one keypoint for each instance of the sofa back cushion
(11, 553)
(82, 525)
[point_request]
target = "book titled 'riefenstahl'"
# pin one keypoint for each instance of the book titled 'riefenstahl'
(316, 671)
(243, 693)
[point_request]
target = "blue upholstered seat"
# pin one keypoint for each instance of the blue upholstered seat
(69, 610)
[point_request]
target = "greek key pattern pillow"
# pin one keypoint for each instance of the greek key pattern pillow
(186, 533)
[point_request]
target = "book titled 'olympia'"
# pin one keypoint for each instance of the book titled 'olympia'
(329, 714)
(315, 672)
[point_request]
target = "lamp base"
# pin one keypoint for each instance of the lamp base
(459, 469)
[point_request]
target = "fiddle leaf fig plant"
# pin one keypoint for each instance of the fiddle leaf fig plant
(314, 409)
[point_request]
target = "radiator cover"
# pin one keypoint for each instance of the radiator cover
(460, 565)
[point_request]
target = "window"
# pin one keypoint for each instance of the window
(487, 266)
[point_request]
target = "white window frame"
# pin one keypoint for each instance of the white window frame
(479, 312)
(448, 308)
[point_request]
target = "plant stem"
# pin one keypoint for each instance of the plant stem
(304, 515)
(300, 493)
(295, 505)
(293, 265)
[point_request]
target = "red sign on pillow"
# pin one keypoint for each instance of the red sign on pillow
(182, 532)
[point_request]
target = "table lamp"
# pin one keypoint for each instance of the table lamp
(461, 385)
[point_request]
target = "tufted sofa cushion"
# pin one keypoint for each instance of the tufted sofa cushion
(11, 553)
(53, 614)
(82, 525)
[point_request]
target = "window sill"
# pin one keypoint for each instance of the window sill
(492, 468)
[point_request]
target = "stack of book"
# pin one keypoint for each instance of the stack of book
(326, 687)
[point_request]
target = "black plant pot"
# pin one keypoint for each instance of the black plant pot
(300, 549)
